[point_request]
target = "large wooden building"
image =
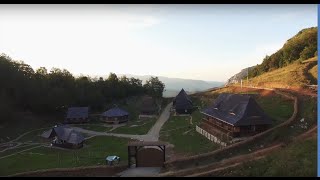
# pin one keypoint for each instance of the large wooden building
(149, 106)
(235, 115)
(115, 116)
(64, 136)
(77, 115)
(182, 104)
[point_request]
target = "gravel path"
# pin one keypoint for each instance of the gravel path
(153, 134)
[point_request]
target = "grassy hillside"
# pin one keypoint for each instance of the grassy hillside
(314, 72)
(295, 75)
(300, 47)
(297, 159)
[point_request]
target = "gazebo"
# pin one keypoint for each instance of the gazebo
(115, 116)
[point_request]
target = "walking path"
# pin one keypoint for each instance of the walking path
(152, 135)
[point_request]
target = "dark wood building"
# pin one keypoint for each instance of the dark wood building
(77, 115)
(235, 115)
(64, 136)
(115, 116)
(149, 106)
(182, 104)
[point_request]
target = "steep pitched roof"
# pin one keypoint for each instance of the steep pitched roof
(237, 110)
(78, 112)
(115, 112)
(182, 101)
(65, 133)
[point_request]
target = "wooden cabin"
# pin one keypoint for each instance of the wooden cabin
(149, 106)
(235, 115)
(77, 115)
(64, 136)
(115, 116)
(182, 104)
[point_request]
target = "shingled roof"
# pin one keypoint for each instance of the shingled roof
(78, 112)
(115, 112)
(65, 133)
(237, 110)
(182, 101)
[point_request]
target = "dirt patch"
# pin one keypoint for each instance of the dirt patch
(172, 155)
(207, 169)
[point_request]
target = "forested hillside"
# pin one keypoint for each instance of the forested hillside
(40, 91)
(298, 48)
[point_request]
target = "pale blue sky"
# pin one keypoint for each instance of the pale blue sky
(207, 42)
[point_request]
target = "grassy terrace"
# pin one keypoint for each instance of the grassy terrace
(94, 153)
(277, 107)
(298, 159)
(293, 75)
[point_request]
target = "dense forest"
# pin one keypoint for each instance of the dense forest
(39, 91)
(300, 47)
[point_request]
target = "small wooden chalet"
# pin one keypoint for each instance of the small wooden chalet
(182, 104)
(115, 116)
(148, 106)
(77, 115)
(64, 136)
(235, 115)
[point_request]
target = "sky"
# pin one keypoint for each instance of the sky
(205, 42)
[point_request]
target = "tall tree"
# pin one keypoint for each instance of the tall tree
(154, 87)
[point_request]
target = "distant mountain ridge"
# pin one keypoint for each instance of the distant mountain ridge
(237, 77)
(174, 85)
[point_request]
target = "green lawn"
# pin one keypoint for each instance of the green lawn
(94, 153)
(22, 123)
(277, 107)
(142, 127)
(33, 136)
(178, 131)
(18, 149)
